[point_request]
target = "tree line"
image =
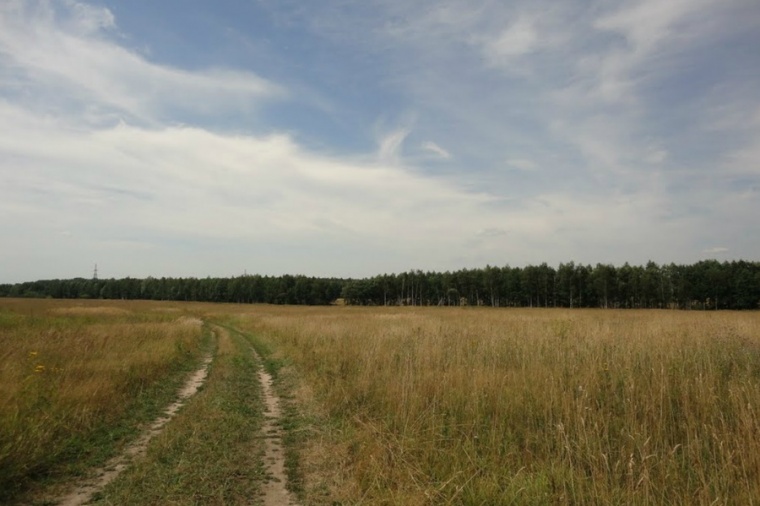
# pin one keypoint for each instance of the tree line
(243, 289)
(704, 285)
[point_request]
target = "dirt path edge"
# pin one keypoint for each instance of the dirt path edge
(84, 491)
(275, 491)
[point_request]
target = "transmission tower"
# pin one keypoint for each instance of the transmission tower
(95, 272)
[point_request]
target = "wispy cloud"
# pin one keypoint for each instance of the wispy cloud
(517, 39)
(70, 52)
(189, 183)
(529, 131)
(436, 150)
(390, 145)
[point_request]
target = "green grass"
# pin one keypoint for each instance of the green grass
(211, 451)
(294, 422)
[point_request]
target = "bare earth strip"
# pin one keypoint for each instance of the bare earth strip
(275, 488)
(115, 466)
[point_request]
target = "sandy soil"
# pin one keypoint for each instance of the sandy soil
(103, 476)
(275, 488)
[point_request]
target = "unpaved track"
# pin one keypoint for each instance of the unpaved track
(275, 488)
(105, 475)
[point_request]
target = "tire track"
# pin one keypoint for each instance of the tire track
(274, 490)
(106, 474)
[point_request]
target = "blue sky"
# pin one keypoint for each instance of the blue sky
(334, 138)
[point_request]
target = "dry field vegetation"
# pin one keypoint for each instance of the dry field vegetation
(409, 406)
(485, 406)
(78, 379)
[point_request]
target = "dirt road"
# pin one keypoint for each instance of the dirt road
(275, 489)
(84, 491)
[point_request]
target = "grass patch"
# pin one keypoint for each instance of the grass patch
(307, 428)
(211, 451)
(296, 424)
(77, 386)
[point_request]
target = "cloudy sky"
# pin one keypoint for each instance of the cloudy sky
(337, 138)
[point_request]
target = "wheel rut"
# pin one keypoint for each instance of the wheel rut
(84, 491)
(274, 490)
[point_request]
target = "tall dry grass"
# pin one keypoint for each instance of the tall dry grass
(72, 371)
(475, 406)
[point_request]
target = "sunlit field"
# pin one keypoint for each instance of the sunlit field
(413, 406)
(475, 406)
(77, 377)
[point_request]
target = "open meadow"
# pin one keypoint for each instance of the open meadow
(386, 405)
(488, 406)
(78, 379)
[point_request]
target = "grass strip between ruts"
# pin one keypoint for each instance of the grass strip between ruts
(211, 451)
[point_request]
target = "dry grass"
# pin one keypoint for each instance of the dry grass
(89, 311)
(416, 405)
(477, 406)
(71, 372)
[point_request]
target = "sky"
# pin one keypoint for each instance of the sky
(348, 139)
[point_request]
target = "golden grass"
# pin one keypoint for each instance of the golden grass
(426, 405)
(483, 406)
(89, 311)
(69, 371)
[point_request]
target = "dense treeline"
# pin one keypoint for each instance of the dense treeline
(243, 289)
(704, 285)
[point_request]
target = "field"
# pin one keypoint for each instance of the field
(386, 405)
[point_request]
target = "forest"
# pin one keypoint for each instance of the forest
(706, 284)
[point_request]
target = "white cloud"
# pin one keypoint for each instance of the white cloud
(192, 181)
(73, 59)
(561, 88)
(90, 18)
(148, 187)
(391, 144)
(655, 33)
(517, 39)
(436, 150)
(610, 99)
(645, 26)
(647, 23)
